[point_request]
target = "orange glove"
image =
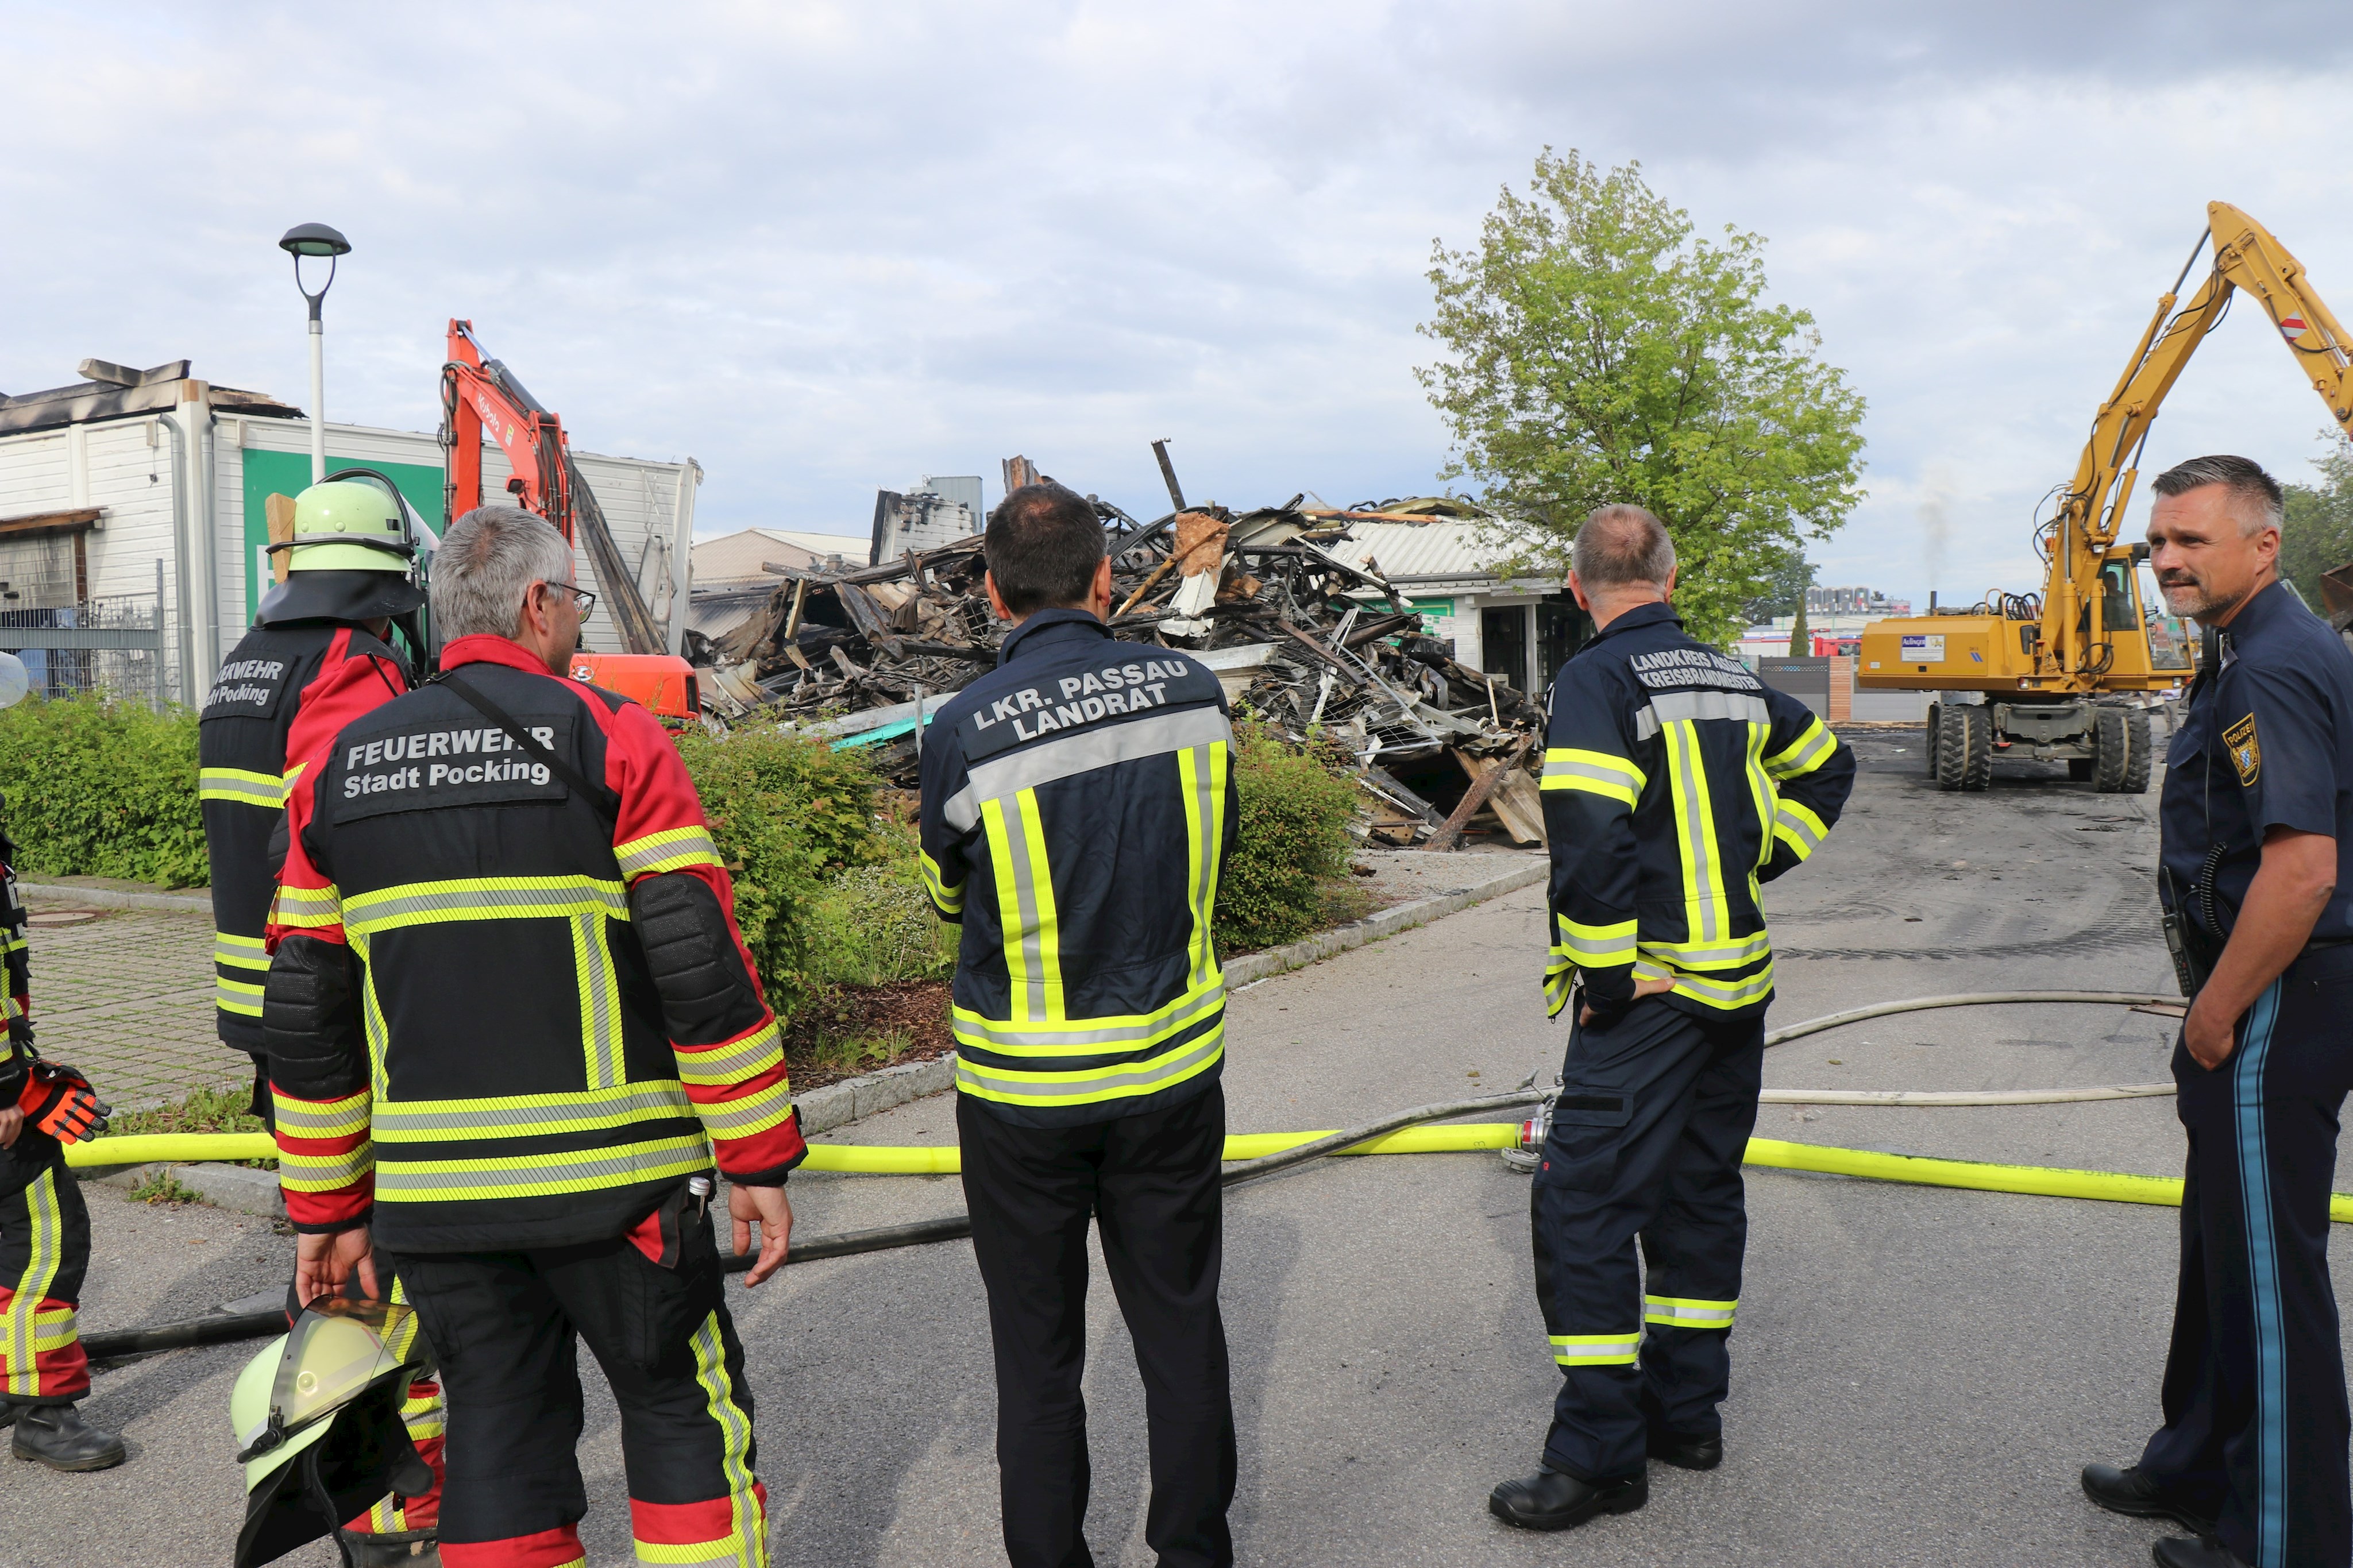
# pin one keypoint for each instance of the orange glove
(58, 1099)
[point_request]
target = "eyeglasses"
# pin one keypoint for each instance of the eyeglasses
(582, 597)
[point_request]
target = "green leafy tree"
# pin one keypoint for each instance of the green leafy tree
(1600, 350)
(1784, 590)
(1801, 637)
(2316, 531)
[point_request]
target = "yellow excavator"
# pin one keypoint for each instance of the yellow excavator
(2050, 676)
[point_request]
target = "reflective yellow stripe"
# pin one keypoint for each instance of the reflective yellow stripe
(1201, 780)
(1684, 1312)
(949, 899)
(1025, 902)
(20, 1330)
(526, 1115)
(1799, 828)
(1123, 1080)
(600, 1000)
(1593, 947)
(1597, 1350)
(485, 898)
(242, 785)
(737, 1060)
(668, 850)
(1559, 975)
(1707, 909)
(540, 1175)
(301, 907)
(323, 1173)
(1810, 751)
(239, 996)
(1088, 1037)
(322, 1119)
(1594, 773)
(1761, 794)
(746, 1545)
(241, 951)
(1728, 994)
(1729, 953)
(753, 1113)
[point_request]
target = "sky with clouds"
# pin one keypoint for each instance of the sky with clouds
(825, 248)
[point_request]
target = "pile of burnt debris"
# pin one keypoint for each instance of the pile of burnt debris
(1303, 641)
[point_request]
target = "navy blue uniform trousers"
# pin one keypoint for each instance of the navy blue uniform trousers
(1654, 1114)
(2255, 1401)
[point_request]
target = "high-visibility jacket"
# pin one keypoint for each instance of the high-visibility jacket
(500, 1014)
(1079, 804)
(280, 696)
(1674, 783)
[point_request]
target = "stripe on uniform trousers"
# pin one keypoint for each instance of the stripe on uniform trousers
(731, 1529)
(2262, 1263)
(1684, 1312)
(32, 1326)
(1597, 1350)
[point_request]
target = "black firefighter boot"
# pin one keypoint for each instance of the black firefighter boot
(57, 1436)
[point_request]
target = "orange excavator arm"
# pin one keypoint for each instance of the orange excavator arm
(2247, 259)
(481, 397)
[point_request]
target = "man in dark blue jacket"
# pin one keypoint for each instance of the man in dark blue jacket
(1674, 783)
(1079, 804)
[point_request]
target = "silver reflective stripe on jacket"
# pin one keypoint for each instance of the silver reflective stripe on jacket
(1082, 752)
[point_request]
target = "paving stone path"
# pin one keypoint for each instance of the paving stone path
(127, 996)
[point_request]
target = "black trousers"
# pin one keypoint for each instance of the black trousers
(1150, 1182)
(44, 1258)
(2255, 1419)
(1654, 1114)
(505, 1327)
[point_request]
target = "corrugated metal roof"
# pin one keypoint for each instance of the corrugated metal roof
(1446, 549)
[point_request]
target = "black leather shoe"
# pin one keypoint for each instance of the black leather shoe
(57, 1436)
(1551, 1500)
(2180, 1551)
(2133, 1491)
(1687, 1451)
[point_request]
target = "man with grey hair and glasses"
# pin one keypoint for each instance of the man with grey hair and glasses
(511, 1028)
(2257, 820)
(1674, 782)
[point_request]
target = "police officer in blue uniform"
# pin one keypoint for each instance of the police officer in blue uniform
(2257, 822)
(1674, 783)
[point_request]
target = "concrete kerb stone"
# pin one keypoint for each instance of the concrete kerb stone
(239, 1188)
(114, 899)
(839, 1104)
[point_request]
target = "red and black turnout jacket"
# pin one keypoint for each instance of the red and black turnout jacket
(500, 1014)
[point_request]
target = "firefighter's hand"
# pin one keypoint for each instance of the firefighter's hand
(1654, 988)
(774, 1212)
(323, 1263)
(2208, 1034)
(12, 1122)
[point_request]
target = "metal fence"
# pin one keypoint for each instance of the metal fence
(117, 645)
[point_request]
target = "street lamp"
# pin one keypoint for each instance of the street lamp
(316, 240)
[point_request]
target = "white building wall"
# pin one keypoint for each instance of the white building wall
(130, 475)
(33, 475)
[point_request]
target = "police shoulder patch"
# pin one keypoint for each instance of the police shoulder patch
(2246, 754)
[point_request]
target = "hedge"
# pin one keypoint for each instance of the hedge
(102, 789)
(106, 789)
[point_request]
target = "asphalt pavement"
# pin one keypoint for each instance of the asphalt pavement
(1918, 1373)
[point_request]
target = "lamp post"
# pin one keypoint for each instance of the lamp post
(316, 240)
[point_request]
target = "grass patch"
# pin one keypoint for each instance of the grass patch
(163, 1187)
(203, 1110)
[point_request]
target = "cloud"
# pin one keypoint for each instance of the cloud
(824, 248)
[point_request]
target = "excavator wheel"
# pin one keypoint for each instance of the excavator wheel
(2120, 736)
(1964, 748)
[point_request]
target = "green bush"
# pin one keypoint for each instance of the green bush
(102, 789)
(1295, 843)
(788, 816)
(873, 925)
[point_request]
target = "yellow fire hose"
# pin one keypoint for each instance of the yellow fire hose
(946, 1160)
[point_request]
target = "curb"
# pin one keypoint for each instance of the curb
(1250, 968)
(823, 1109)
(111, 898)
(239, 1188)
